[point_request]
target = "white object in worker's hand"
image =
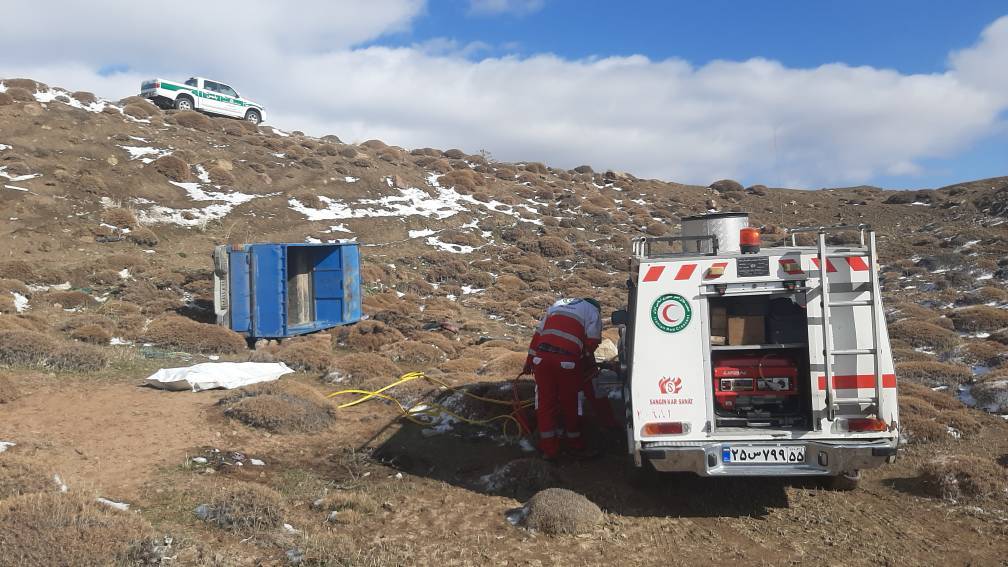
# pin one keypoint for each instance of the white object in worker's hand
(606, 351)
(211, 375)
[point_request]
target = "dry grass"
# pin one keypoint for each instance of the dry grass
(17, 270)
(993, 395)
(923, 430)
(962, 477)
(985, 353)
(143, 236)
(172, 167)
(509, 283)
(8, 389)
(245, 506)
(305, 355)
(68, 529)
(520, 477)
(362, 370)
(366, 336)
(934, 373)
(981, 318)
(345, 507)
(192, 119)
(280, 407)
(123, 218)
(9, 285)
(20, 94)
(940, 400)
(191, 336)
(136, 111)
(30, 348)
(415, 353)
(29, 84)
(504, 366)
(554, 247)
(19, 475)
(910, 355)
(93, 334)
(560, 511)
(920, 334)
(69, 299)
(220, 176)
(85, 97)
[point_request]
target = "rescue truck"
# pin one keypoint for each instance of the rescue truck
(738, 360)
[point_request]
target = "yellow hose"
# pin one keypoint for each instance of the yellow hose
(434, 411)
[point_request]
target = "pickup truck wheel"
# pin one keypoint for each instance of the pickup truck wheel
(253, 116)
(183, 103)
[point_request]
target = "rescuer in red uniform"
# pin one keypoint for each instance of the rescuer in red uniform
(561, 357)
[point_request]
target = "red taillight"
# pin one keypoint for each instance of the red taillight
(866, 425)
(157, 84)
(664, 428)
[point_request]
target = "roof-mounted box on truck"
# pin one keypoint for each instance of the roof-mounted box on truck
(744, 360)
(278, 290)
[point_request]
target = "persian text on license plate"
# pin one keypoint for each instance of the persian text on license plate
(757, 454)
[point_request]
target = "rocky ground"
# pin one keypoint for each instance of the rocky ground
(110, 211)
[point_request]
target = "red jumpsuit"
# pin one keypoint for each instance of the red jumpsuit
(561, 357)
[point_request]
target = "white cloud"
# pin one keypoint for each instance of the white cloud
(833, 124)
(494, 7)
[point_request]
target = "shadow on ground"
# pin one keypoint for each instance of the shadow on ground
(465, 456)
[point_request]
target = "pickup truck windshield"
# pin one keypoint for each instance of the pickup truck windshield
(191, 82)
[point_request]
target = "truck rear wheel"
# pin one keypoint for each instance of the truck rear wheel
(253, 116)
(184, 103)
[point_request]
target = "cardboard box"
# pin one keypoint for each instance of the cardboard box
(746, 330)
(718, 322)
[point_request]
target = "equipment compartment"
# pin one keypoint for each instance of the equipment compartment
(760, 369)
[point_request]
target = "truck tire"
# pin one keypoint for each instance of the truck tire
(184, 102)
(253, 116)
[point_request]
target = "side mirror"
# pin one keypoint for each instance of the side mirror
(619, 317)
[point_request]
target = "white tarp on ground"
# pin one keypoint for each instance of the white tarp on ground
(211, 375)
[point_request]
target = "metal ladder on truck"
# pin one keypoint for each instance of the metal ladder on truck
(830, 353)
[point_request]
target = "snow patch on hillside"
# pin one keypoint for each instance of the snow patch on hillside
(224, 203)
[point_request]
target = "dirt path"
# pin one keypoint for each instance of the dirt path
(111, 436)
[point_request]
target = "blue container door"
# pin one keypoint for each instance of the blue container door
(350, 254)
(327, 283)
(269, 289)
(239, 300)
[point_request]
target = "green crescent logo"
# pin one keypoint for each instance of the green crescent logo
(671, 313)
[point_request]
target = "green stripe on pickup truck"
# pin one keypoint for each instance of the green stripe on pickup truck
(203, 93)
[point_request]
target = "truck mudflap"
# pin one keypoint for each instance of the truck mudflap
(820, 458)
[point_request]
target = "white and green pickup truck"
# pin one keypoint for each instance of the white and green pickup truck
(197, 93)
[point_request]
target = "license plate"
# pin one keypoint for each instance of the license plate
(763, 455)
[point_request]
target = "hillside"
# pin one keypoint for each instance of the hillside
(111, 211)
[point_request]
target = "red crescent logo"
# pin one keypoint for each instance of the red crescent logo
(665, 315)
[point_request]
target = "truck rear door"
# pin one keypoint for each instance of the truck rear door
(669, 393)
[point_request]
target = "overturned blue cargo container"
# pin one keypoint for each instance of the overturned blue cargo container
(276, 290)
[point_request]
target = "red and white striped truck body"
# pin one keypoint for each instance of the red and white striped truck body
(814, 405)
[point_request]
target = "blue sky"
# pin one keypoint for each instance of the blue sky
(803, 94)
(907, 36)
